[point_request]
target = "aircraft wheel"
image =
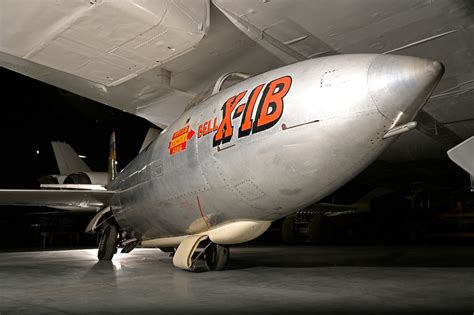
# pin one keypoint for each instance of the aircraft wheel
(216, 257)
(320, 230)
(288, 234)
(108, 243)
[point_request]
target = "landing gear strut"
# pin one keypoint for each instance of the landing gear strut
(108, 243)
(210, 256)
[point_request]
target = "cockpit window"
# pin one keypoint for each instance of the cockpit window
(225, 81)
(200, 97)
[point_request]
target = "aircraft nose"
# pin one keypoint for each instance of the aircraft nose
(401, 85)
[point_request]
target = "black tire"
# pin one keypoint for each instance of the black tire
(216, 257)
(168, 249)
(320, 230)
(108, 243)
(288, 234)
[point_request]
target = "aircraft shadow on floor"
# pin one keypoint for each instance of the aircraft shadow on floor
(311, 257)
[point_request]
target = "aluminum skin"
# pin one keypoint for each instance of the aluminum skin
(321, 124)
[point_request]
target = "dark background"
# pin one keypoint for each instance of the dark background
(32, 115)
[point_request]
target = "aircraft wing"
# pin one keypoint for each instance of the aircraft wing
(331, 207)
(76, 200)
(150, 58)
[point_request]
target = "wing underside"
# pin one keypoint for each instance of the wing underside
(150, 58)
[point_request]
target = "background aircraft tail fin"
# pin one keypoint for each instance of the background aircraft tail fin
(68, 160)
(112, 158)
(463, 155)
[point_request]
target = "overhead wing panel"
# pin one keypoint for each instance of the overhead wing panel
(161, 94)
(271, 25)
(77, 46)
(438, 30)
(131, 96)
(106, 42)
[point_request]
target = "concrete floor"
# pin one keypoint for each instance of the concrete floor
(303, 279)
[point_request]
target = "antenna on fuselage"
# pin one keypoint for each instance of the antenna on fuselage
(112, 159)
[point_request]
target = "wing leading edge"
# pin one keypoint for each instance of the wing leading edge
(75, 200)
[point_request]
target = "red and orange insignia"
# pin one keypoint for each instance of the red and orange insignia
(179, 140)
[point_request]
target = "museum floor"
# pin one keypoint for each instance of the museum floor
(276, 279)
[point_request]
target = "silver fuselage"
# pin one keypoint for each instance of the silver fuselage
(334, 115)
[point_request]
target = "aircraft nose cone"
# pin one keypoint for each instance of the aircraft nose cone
(401, 85)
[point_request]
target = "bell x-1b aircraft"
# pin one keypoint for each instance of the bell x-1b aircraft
(256, 152)
(253, 148)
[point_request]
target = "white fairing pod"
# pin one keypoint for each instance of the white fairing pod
(238, 232)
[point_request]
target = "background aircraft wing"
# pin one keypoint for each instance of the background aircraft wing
(331, 207)
(77, 200)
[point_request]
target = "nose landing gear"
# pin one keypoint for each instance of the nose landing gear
(108, 243)
(211, 257)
